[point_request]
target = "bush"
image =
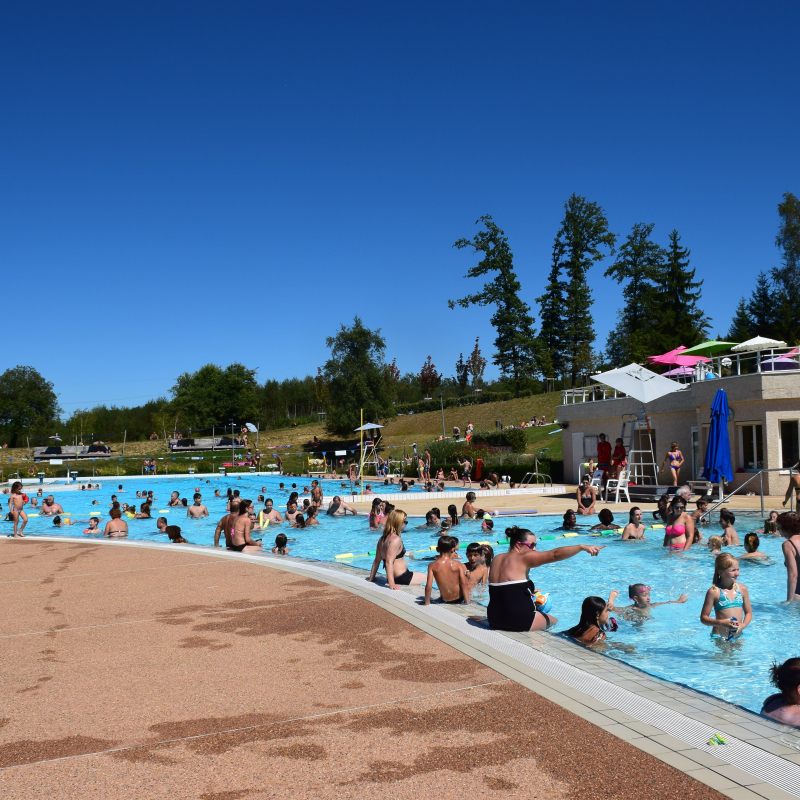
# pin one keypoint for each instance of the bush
(515, 438)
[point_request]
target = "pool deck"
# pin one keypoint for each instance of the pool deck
(132, 669)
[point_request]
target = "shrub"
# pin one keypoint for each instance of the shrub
(515, 438)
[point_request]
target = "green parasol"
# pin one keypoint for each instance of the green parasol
(708, 348)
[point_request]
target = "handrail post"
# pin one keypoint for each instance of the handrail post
(761, 489)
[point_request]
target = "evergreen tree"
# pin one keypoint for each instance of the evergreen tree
(515, 341)
(742, 326)
(583, 232)
(786, 278)
(762, 308)
(551, 305)
(680, 320)
(640, 263)
(476, 364)
(462, 373)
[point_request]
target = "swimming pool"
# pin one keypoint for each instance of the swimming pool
(671, 644)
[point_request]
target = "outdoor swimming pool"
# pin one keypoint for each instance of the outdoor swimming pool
(671, 644)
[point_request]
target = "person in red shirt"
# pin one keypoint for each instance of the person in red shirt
(604, 456)
(619, 459)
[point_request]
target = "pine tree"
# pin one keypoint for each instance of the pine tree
(583, 232)
(762, 307)
(516, 340)
(680, 320)
(786, 278)
(462, 373)
(551, 305)
(742, 326)
(476, 364)
(640, 263)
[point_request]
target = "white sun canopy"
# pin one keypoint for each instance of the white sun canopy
(638, 382)
(367, 426)
(759, 343)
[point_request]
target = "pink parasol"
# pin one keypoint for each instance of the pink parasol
(674, 358)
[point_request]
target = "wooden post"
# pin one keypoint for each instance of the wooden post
(124, 438)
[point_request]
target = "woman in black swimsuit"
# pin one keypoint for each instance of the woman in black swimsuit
(587, 497)
(391, 551)
(241, 540)
(511, 606)
(789, 528)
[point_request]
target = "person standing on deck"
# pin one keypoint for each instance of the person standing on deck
(604, 456)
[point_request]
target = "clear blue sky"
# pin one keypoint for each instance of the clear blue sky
(162, 163)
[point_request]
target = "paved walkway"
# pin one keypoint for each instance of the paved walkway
(144, 672)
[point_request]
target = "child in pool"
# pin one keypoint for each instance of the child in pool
(785, 706)
(594, 616)
(771, 523)
(730, 601)
(487, 524)
(715, 545)
(93, 523)
(606, 517)
(479, 559)
(751, 543)
(62, 523)
(640, 594)
(729, 536)
(702, 507)
(570, 521)
(280, 545)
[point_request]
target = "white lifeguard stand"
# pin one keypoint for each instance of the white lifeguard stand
(369, 452)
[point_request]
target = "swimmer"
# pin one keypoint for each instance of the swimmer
(702, 507)
(116, 526)
(280, 548)
(784, 707)
(391, 551)
(16, 509)
(479, 559)
(726, 520)
(511, 606)
(715, 545)
(634, 529)
(271, 513)
(174, 499)
(468, 510)
(606, 517)
(432, 519)
(62, 523)
(144, 511)
(570, 521)
(487, 524)
(161, 524)
(291, 511)
(640, 594)
(452, 513)
(662, 510)
(197, 509)
(594, 616)
(789, 528)
(174, 533)
(450, 577)
(729, 599)
(679, 533)
(50, 508)
(338, 508)
(376, 515)
(94, 523)
(298, 521)
(241, 525)
(751, 543)
(311, 516)
(770, 523)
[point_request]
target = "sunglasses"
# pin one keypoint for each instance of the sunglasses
(529, 545)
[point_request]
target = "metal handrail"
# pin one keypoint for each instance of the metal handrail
(760, 476)
(538, 475)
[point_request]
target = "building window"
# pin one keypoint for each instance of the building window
(751, 448)
(790, 443)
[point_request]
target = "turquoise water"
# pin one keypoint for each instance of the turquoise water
(671, 644)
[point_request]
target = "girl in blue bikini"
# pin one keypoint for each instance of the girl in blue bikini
(729, 599)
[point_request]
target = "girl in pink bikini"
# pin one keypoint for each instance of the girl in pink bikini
(679, 533)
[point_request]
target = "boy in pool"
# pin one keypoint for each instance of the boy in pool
(702, 507)
(449, 574)
(93, 523)
(640, 594)
(479, 558)
(785, 706)
(62, 523)
(729, 536)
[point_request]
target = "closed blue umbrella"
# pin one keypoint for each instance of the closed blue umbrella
(717, 463)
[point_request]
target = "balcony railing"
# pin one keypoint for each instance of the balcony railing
(775, 361)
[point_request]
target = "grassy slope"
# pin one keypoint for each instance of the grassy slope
(418, 428)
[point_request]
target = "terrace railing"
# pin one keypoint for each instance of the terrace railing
(760, 475)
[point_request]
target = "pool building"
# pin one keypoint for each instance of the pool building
(763, 426)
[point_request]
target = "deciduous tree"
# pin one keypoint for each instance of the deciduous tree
(429, 376)
(28, 404)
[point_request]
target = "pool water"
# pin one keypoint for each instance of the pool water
(671, 643)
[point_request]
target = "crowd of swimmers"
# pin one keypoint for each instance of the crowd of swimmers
(512, 605)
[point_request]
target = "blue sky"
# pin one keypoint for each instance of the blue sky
(195, 182)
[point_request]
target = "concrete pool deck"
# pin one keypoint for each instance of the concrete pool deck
(139, 670)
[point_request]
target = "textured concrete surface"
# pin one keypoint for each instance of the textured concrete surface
(155, 674)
